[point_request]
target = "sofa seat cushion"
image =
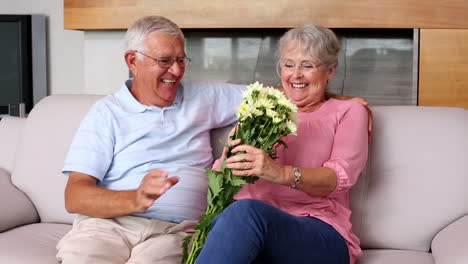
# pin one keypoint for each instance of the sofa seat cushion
(387, 256)
(35, 243)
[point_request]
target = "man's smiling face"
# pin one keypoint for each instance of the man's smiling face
(153, 84)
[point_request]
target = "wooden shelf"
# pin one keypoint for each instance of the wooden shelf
(443, 67)
(119, 14)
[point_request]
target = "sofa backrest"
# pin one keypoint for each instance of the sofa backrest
(11, 129)
(47, 135)
(414, 184)
(416, 179)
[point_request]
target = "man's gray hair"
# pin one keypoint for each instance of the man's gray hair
(139, 31)
(316, 41)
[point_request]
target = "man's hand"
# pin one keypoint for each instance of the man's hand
(153, 185)
(361, 101)
(369, 113)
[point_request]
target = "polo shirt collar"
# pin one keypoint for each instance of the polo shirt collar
(130, 104)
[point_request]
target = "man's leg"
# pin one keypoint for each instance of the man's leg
(163, 245)
(250, 230)
(93, 240)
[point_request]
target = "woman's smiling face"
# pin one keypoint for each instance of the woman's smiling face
(304, 80)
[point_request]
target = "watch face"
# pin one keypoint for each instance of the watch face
(297, 173)
(297, 178)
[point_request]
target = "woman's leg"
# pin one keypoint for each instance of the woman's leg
(251, 230)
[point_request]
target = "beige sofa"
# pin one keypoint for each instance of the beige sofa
(410, 204)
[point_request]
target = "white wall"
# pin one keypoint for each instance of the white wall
(104, 64)
(78, 62)
(15, 7)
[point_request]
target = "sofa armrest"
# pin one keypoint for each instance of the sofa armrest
(450, 245)
(15, 208)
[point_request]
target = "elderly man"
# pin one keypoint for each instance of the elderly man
(134, 146)
(136, 164)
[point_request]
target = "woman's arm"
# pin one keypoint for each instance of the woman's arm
(339, 173)
(256, 162)
(350, 148)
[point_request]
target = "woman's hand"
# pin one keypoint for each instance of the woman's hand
(230, 143)
(256, 162)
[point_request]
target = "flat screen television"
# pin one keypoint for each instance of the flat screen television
(23, 67)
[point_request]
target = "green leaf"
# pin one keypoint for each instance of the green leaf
(214, 183)
(238, 181)
(224, 144)
(251, 179)
(185, 246)
(283, 143)
(227, 175)
(223, 166)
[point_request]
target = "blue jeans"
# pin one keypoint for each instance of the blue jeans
(251, 231)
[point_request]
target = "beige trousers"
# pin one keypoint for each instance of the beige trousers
(126, 239)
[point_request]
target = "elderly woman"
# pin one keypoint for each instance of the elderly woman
(298, 211)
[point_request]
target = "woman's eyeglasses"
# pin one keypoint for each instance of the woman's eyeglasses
(305, 66)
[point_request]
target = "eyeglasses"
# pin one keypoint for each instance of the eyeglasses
(166, 61)
(305, 66)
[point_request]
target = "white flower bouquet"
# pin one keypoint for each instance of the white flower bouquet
(265, 116)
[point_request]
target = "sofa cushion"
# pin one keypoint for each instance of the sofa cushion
(416, 177)
(47, 135)
(387, 256)
(34, 243)
(451, 244)
(16, 209)
(217, 135)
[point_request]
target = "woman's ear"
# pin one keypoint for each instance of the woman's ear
(131, 60)
(331, 72)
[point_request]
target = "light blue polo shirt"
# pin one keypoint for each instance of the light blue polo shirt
(120, 140)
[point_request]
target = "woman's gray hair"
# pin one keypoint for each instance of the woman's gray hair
(139, 31)
(313, 40)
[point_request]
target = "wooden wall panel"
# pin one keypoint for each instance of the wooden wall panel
(443, 69)
(119, 14)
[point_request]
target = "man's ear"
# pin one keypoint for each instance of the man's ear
(131, 60)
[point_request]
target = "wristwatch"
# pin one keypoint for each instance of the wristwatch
(297, 177)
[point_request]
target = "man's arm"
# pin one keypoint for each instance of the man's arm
(360, 100)
(345, 97)
(83, 196)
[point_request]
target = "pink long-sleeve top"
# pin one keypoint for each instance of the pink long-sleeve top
(334, 136)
